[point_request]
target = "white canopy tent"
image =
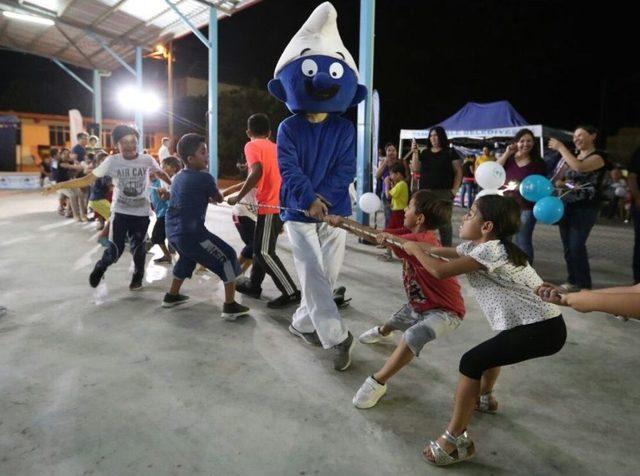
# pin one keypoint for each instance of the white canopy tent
(538, 130)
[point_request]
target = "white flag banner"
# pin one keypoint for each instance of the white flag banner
(375, 139)
(75, 125)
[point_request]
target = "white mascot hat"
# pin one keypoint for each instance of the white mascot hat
(318, 36)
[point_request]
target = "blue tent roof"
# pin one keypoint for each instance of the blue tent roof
(489, 115)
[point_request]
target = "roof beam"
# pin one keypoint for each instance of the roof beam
(66, 7)
(217, 4)
(137, 26)
(114, 54)
(4, 26)
(72, 74)
(189, 25)
(25, 8)
(72, 42)
(95, 22)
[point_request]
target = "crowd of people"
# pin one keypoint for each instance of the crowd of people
(122, 190)
(589, 184)
(301, 184)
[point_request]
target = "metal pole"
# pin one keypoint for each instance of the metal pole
(115, 55)
(191, 26)
(139, 120)
(72, 74)
(170, 88)
(97, 101)
(365, 60)
(212, 113)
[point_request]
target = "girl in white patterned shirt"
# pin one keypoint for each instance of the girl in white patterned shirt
(504, 283)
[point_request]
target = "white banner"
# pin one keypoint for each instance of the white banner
(75, 125)
(474, 134)
(375, 128)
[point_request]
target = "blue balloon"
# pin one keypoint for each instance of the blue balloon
(535, 187)
(548, 210)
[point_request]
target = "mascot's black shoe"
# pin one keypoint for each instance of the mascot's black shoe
(338, 297)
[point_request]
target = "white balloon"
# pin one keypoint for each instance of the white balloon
(621, 192)
(490, 175)
(487, 191)
(370, 202)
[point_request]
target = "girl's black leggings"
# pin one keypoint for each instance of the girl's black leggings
(515, 345)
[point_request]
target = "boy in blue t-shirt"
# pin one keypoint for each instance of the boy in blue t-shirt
(160, 201)
(191, 191)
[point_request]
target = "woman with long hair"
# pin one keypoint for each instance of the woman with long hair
(440, 171)
(582, 174)
(520, 160)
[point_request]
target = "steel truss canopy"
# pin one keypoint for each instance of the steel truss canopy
(81, 32)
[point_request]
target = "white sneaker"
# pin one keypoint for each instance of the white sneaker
(369, 393)
(373, 335)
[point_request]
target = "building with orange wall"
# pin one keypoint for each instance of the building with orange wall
(38, 133)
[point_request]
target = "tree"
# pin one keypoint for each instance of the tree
(235, 105)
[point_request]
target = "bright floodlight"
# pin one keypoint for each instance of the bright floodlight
(29, 18)
(132, 98)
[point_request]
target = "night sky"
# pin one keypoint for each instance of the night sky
(558, 62)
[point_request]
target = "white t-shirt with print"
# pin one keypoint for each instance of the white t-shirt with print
(505, 292)
(131, 180)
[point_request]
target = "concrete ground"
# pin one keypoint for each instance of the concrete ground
(107, 382)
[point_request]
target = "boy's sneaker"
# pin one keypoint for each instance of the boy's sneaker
(309, 337)
(96, 276)
(342, 353)
(284, 301)
(163, 260)
(369, 393)
(244, 287)
(173, 300)
(373, 336)
(136, 281)
(231, 311)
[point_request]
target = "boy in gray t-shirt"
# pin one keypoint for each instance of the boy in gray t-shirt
(129, 171)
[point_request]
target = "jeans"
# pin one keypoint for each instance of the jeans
(446, 232)
(468, 189)
(207, 250)
(123, 226)
(575, 226)
(636, 246)
(524, 237)
(386, 207)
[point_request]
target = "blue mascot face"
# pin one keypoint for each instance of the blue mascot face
(317, 84)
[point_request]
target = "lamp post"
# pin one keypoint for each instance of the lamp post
(166, 52)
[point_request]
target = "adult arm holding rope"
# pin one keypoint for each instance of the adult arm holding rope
(619, 301)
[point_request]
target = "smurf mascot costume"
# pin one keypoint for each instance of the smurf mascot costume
(318, 80)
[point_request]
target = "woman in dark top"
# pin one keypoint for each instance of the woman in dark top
(469, 187)
(440, 172)
(583, 174)
(384, 168)
(520, 160)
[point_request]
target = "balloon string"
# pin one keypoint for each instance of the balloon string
(577, 187)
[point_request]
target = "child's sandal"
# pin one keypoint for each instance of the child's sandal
(464, 450)
(486, 404)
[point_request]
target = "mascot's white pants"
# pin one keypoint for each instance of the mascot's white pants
(318, 251)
